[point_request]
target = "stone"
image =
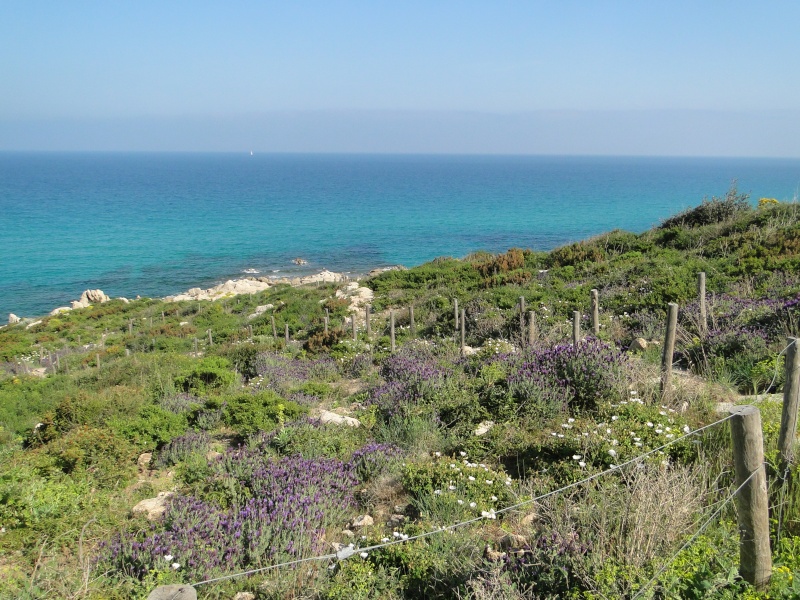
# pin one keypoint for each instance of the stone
(400, 508)
(152, 508)
(529, 519)
(93, 297)
(348, 534)
(396, 519)
(59, 310)
(178, 591)
(484, 427)
(12, 318)
(362, 521)
(212, 455)
(244, 596)
(336, 546)
(326, 416)
(512, 541)
(638, 345)
(34, 324)
(124, 300)
(144, 460)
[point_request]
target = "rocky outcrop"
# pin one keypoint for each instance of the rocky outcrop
(638, 345)
(176, 591)
(260, 310)
(59, 310)
(358, 296)
(152, 508)
(232, 287)
(89, 297)
(326, 416)
(12, 319)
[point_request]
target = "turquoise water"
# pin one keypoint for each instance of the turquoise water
(155, 224)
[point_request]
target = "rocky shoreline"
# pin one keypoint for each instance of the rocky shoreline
(228, 289)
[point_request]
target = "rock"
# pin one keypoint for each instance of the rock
(362, 521)
(152, 508)
(512, 541)
(348, 534)
(400, 508)
(213, 455)
(300, 261)
(124, 300)
(484, 427)
(12, 318)
(375, 272)
(183, 323)
(493, 555)
(469, 350)
(336, 546)
(93, 297)
(178, 591)
(260, 310)
(396, 519)
(59, 310)
(529, 519)
(34, 324)
(638, 345)
(244, 596)
(327, 416)
(144, 460)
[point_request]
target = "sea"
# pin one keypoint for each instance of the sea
(154, 224)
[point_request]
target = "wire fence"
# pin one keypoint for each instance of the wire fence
(351, 550)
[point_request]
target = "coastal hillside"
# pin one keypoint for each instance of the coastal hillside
(497, 426)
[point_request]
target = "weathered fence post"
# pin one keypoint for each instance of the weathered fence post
(286, 333)
(162, 316)
(463, 330)
(355, 330)
(250, 332)
(412, 325)
(595, 312)
(154, 344)
(195, 346)
(391, 328)
(701, 294)
(755, 558)
(791, 400)
(455, 313)
(576, 327)
(97, 358)
(669, 349)
(522, 319)
(130, 327)
(274, 329)
(367, 310)
(326, 325)
(531, 328)
(210, 338)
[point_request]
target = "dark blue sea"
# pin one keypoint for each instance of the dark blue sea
(157, 224)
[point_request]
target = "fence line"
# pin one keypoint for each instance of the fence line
(349, 551)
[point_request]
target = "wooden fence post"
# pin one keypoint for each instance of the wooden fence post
(412, 325)
(576, 327)
(326, 324)
(463, 330)
(455, 313)
(669, 349)
(701, 294)
(391, 328)
(595, 312)
(522, 319)
(286, 333)
(531, 327)
(274, 330)
(195, 346)
(367, 310)
(210, 338)
(791, 400)
(130, 327)
(755, 557)
(355, 330)
(97, 358)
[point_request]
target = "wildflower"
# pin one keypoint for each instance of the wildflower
(612, 452)
(608, 430)
(489, 482)
(451, 487)
(638, 444)
(384, 540)
(168, 557)
(561, 435)
(581, 464)
(662, 413)
(472, 505)
(462, 453)
(554, 434)
(649, 424)
(576, 457)
(176, 566)
(570, 420)
(461, 502)
(659, 430)
(686, 429)
(494, 498)
(437, 454)
(396, 534)
(363, 555)
(471, 478)
(614, 418)
(437, 492)
(670, 436)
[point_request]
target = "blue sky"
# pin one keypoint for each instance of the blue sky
(566, 77)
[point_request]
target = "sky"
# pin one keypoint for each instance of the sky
(617, 77)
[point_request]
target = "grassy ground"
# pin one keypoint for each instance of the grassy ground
(134, 399)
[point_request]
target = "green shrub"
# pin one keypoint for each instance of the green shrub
(210, 374)
(250, 413)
